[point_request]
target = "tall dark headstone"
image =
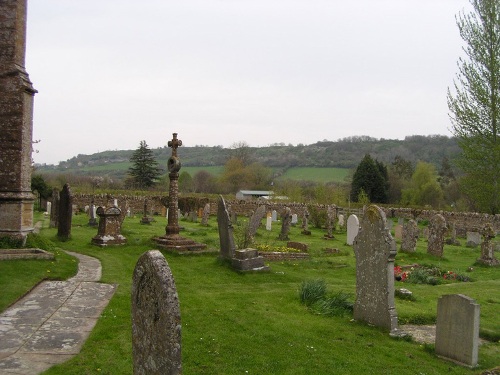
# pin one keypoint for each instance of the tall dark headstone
(156, 317)
(286, 221)
(65, 213)
(375, 250)
(226, 236)
(172, 240)
(54, 212)
(16, 124)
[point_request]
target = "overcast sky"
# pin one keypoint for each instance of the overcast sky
(111, 73)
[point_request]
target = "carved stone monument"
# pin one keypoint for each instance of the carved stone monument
(437, 229)
(172, 240)
(410, 236)
(286, 221)
(16, 121)
(375, 250)
(54, 213)
(256, 220)
(145, 218)
(226, 237)
(156, 317)
(109, 230)
(488, 247)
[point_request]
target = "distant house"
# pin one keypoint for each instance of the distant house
(253, 194)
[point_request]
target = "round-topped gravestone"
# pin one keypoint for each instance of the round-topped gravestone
(156, 317)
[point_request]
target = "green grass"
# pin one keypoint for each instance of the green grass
(235, 323)
(321, 175)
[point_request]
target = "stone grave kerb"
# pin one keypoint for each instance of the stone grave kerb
(375, 250)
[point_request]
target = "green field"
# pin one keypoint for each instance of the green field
(321, 175)
(254, 323)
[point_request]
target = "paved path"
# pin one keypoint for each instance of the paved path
(50, 324)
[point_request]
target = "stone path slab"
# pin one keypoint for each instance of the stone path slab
(50, 324)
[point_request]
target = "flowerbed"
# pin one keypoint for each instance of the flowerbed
(423, 274)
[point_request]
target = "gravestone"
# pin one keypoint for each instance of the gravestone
(16, 117)
(145, 218)
(248, 260)
(93, 214)
(226, 236)
(205, 215)
(437, 229)
(269, 221)
(375, 250)
(256, 220)
(54, 215)
(341, 221)
(457, 329)
(473, 239)
(488, 247)
(330, 222)
(295, 219)
(156, 317)
(109, 230)
(305, 223)
(352, 228)
(398, 232)
(286, 220)
(390, 224)
(65, 213)
(410, 236)
(274, 215)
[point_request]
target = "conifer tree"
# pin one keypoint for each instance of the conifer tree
(144, 171)
(370, 177)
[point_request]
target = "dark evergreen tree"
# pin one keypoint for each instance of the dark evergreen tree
(39, 185)
(144, 171)
(370, 176)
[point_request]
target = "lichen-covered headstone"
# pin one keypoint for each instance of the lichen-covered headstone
(226, 236)
(457, 329)
(352, 228)
(286, 221)
(375, 250)
(473, 239)
(437, 229)
(54, 213)
(65, 213)
(410, 236)
(488, 247)
(109, 229)
(156, 317)
(256, 220)
(330, 222)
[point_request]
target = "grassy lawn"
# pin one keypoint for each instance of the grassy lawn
(254, 323)
(320, 175)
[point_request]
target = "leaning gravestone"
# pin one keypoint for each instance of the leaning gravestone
(437, 229)
(156, 317)
(256, 220)
(226, 237)
(375, 250)
(65, 213)
(410, 236)
(352, 228)
(457, 329)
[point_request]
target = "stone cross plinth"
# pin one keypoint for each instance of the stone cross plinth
(156, 317)
(16, 124)
(375, 250)
(109, 230)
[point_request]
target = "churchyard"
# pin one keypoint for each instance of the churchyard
(255, 323)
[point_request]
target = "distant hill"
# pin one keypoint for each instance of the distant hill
(344, 153)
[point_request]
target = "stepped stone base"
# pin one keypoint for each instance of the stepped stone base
(248, 260)
(108, 240)
(178, 243)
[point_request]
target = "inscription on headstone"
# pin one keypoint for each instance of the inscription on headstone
(375, 250)
(156, 317)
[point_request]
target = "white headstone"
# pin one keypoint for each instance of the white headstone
(295, 219)
(115, 202)
(49, 207)
(268, 223)
(352, 228)
(274, 215)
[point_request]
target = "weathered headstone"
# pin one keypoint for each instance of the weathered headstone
(269, 221)
(256, 220)
(330, 222)
(352, 228)
(16, 117)
(341, 221)
(274, 215)
(65, 213)
(156, 317)
(54, 215)
(305, 223)
(488, 247)
(248, 260)
(49, 208)
(410, 236)
(375, 250)
(398, 232)
(437, 229)
(93, 214)
(145, 218)
(109, 230)
(205, 214)
(286, 220)
(226, 236)
(473, 239)
(295, 219)
(457, 329)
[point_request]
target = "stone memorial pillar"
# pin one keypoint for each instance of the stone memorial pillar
(16, 124)
(65, 213)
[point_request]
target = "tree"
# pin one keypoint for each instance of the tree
(371, 177)
(424, 187)
(474, 104)
(39, 185)
(144, 171)
(185, 182)
(241, 151)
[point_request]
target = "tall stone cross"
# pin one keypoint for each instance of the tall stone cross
(16, 124)
(173, 165)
